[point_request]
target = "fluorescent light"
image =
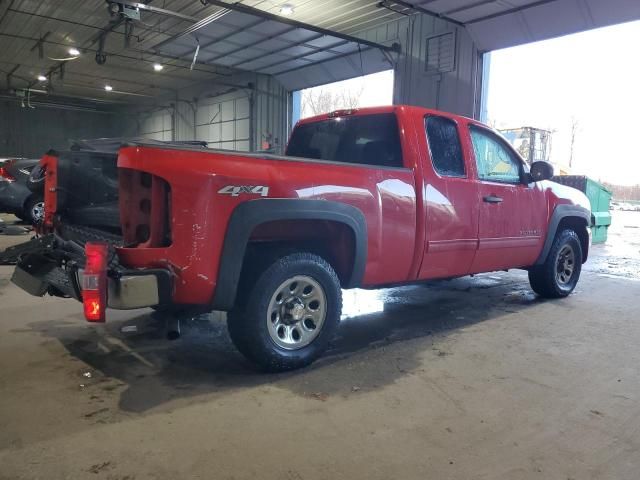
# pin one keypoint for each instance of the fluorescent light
(74, 51)
(157, 67)
(286, 9)
(42, 78)
(108, 88)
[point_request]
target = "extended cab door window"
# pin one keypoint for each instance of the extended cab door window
(360, 139)
(444, 147)
(494, 160)
(450, 205)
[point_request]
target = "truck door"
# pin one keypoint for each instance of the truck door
(512, 213)
(450, 195)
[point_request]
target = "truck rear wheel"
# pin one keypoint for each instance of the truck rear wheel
(34, 209)
(559, 274)
(287, 316)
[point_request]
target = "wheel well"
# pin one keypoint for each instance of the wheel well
(578, 225)
(333, 241)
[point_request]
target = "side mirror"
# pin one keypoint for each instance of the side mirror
(541, 171)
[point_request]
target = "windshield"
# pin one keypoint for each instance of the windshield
(365, 139)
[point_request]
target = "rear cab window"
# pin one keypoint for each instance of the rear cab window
(359, 139)
(445, 149)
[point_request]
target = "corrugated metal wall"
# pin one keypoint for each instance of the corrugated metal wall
(157, 124)
(30, 132)
(445, 74)
(251, 118)
(439, 67)
(272, 112)
(224, 121)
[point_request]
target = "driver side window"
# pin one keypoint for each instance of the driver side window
(494, 161)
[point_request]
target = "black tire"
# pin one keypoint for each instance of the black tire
(34, 209)
(248, 323)
(551, 280)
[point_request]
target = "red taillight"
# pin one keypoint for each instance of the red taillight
(4, 173)
(94, 282)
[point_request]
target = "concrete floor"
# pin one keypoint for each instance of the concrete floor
(468, 379)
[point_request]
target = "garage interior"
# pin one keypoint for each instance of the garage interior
(470, 378)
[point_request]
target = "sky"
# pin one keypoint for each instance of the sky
(376, 90)
(592, 77)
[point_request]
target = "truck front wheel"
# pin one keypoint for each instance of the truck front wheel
(287, 313)
(559, 274)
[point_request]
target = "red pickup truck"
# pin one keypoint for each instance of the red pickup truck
(362, 198)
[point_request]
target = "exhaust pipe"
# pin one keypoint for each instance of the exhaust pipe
(173, 327)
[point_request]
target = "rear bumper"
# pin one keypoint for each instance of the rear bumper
(139, 289)
(39, 270)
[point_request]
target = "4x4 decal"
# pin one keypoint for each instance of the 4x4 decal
(236, 190)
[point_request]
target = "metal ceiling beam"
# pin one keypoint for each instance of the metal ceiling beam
(215, 40)
(152, 9)
(290, 44)
(10, 74)
(295, 57)
(470, 6)
(510, 11)
(249, 45)
(238, 7)
(426, 11)
(320, 64)
(127, 57)
(139, 25)
(195, 27)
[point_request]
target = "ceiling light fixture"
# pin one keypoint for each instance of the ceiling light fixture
(42, 78)
(108, 88)
(157, 67)
(286, 9)
(74, 51)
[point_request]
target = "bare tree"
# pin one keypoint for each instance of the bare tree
(316, 101)
(350, 98)
(575, 128)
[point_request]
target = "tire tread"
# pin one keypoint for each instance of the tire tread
(542, 278)
(243, 322)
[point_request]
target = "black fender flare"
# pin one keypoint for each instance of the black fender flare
(561, 212)
(248, 215)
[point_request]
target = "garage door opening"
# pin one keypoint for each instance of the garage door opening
(573, 101)
(580, 88)
(366, 91)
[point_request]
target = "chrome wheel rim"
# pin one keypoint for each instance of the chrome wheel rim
(296, 312)
(37, 212)
(565, 266)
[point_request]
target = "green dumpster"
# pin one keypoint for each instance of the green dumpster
(600, 199)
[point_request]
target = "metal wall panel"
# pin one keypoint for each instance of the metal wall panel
(455, 89)
(223, 121)
(272, 111)
(30, 132)
(157, 125)
(245, 117)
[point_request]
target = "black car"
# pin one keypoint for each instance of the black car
(18, 195)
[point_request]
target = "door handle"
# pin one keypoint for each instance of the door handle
(492, 199)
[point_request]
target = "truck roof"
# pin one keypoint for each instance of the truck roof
(383, 109)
